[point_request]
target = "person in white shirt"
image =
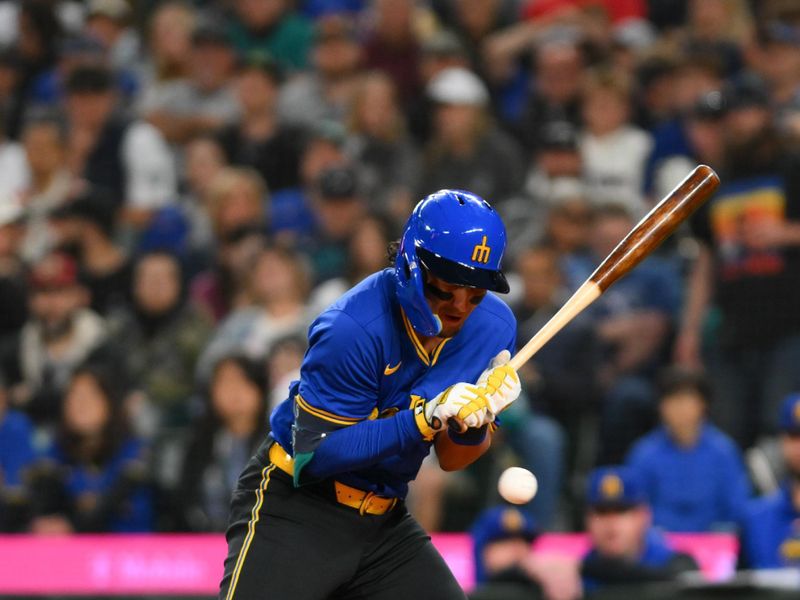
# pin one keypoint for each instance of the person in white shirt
(614, 151)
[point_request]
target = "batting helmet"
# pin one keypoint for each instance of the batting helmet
(458, 237)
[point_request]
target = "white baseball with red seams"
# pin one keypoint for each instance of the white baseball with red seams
(517, 485)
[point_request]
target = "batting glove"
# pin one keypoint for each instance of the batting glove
(499, 385)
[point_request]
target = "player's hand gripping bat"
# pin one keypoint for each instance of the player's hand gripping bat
(648, 234)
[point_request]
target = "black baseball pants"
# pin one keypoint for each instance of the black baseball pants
(287, 543)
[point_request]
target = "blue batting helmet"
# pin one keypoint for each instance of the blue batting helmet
(458, 237)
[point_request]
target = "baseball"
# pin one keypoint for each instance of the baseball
(517, 485)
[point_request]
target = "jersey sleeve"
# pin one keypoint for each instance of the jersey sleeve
(339, 379)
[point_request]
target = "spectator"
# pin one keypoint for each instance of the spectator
(633, 322)
(338, 206)
(108, 21)
(205, 159)
(553, 177)
(569, 221)
(13, 288)
(100, 465)
(379, 144)
(283, 367)
(466, 150)
(258, 139)
(778, 63)
(625, 548)
(129, 158)
(392, 46)
(613, 151)
(555, 95)
(366, 255)
(560, 379)
(222, 442)
(11, 104)
(167, 64)
(279, 286)
(45, 142)
(85, 228)
(13, 166)
(60, 334)
(205, 101)
(17, 454)
(271, 27)
(692, 473)
(748, 262)
(326, 92)
(163, 336)
(719, 28)
(505, 567)
(769, 535)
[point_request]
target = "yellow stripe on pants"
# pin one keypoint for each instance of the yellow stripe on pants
(251, 529)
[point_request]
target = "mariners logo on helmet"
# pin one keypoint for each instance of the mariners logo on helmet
(448, 233)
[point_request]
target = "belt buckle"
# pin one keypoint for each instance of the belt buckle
(365, 503)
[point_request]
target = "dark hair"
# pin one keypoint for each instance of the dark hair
(89, 79)
(392, 249)
(677, 379)
(39, 117)
(115, 431)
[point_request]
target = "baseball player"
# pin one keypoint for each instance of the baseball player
(319, 511)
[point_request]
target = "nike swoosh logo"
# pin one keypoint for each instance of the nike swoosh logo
(392, 370)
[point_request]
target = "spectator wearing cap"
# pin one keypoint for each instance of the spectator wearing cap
(45, 143)
(109, 22)
(127, 157)
(17, 453)
(625, 548)
(748, 261)
(13, 287)
(507, 569)
(61, 332)
(392, 46)
(554, 177)
(439, 51)
(379, 143)
(205, 101)
(325, 92)
(258, 139)
(769, 532)
(338, 208)
(692, 473)
(85, 228)
(467, 150)
(292, 220)
(614, 151)
(95, 471)
(271, 27)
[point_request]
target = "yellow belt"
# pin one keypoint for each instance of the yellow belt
(364, 502)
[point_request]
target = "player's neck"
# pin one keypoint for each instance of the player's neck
(429, 343)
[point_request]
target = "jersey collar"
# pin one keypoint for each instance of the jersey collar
(428, 359)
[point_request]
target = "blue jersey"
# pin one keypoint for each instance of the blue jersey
(16, 447)
(771, 531)
(691, 489)
(366, 362)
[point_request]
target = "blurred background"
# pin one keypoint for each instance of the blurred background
(185, 185)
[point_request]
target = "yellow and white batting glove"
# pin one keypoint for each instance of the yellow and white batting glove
(458, 400)
(499, 385)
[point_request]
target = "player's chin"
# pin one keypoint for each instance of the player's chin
(451, 326)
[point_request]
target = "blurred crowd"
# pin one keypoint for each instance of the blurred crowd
(185, 185)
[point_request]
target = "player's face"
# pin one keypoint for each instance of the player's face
(452, 303)
(618, 533)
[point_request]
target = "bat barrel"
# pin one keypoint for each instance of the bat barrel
(659, 223)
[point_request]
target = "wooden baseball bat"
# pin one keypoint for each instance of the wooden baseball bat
(653, 229)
